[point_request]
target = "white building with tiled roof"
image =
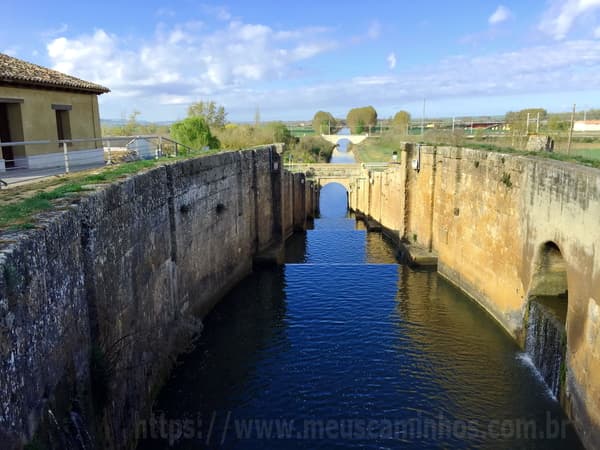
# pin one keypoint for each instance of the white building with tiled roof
(38, 104)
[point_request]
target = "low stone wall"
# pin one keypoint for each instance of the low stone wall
(97, 299)
(490, 217)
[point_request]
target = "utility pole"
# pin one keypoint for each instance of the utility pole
(423, 119)
(537, 126)
(453, 120)
(527, 133)
(571, 130)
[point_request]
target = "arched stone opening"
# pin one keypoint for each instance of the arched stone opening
(327, 181)
(333, 199)
(550, 272)
(343, 144)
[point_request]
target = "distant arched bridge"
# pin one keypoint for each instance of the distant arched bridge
(354, 138)
(344, 174)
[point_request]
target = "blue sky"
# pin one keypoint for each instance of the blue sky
(291, 59)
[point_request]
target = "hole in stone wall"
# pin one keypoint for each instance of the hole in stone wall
(550, 272)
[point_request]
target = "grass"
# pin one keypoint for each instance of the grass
(17, 207)
(380, 149)
(301, 131)
(589, 153)
(375, 150)
(18, 213)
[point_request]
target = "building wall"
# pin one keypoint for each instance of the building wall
(39, 122)
(582, 125)
(113, 285)
(488, 215)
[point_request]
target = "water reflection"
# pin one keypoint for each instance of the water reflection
(341, 154)
(333, 201)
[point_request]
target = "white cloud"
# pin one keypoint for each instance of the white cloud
(11, 51)
(55, 31)
(563, 67)
(560, 18)
(391, 60)
(241, 65)
(501, 14)
(597, 33)
(187, 60)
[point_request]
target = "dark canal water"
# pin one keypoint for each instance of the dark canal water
(344, 348)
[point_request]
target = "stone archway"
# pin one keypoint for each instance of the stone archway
(336, 138)
(549, 272)
(343, 181)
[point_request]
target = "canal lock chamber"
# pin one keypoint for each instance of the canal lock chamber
(342, 347)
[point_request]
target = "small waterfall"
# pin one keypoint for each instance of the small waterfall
(545, 342)
(80, 432)
(68, 434)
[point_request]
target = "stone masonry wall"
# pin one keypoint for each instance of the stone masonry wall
(98, 298)
(488, 216)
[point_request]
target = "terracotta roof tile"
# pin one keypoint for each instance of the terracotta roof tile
(17, 71)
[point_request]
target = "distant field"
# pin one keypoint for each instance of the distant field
(301, 131)
(380, 150)
(591, 153)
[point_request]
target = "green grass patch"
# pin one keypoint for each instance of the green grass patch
(18, 215)
(15, 212)
(380, 150)
(591, 154)
(376, 149)
(300, 132)
(42, 201)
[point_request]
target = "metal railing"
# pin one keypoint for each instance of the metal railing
(114, 148)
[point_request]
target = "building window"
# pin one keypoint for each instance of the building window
(63, 124)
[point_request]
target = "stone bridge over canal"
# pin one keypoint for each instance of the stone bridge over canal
(344, 174)
(354, 138)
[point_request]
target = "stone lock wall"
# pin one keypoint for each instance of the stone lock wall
(96, 300)
(488, 216)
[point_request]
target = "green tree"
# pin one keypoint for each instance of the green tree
(359, 128)
(593, 114)
(517, 120)
(401, 120)
(556, 123)
(194, 132)
(361, 119)
(280, 132)
(132, 126)
(214, 115)
(323, 122)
